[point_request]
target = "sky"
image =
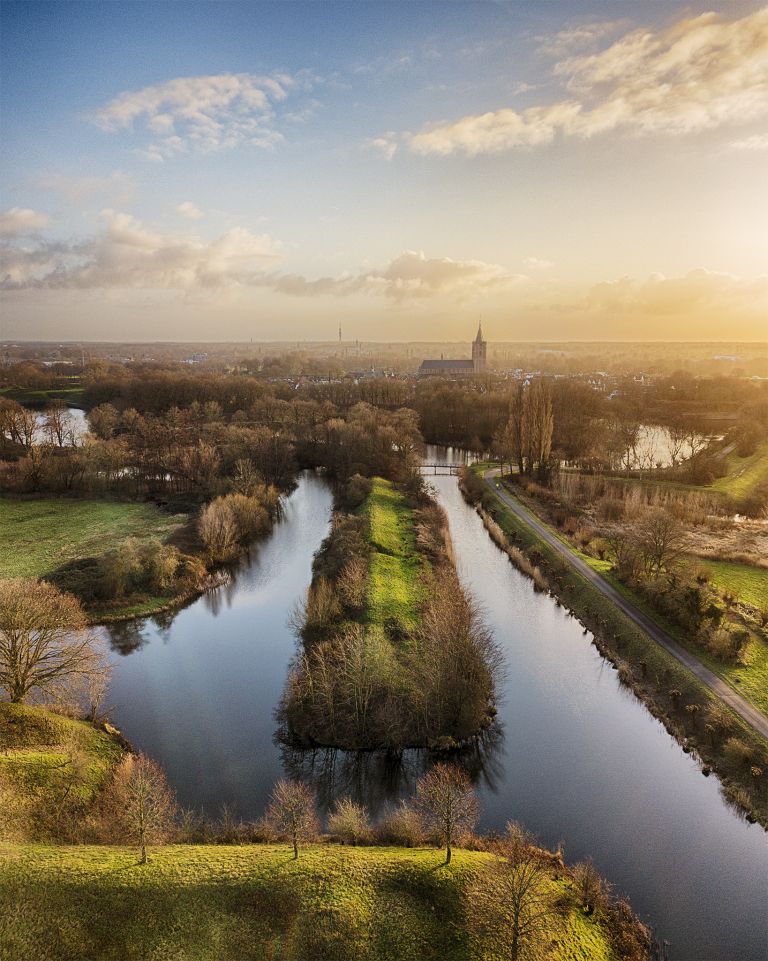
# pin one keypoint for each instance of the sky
(234, 171)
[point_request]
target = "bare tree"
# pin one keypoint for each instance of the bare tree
(58, 424)
(43, 639)
(218, 530)
(292, 813)
(141, 803)
(510, 902)
(661, 540)
(448, 802)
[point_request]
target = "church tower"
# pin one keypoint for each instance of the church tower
(478, 351)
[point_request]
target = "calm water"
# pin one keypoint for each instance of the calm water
(578, 759)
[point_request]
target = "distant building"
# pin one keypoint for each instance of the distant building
(459, 368)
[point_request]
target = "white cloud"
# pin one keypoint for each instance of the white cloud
(696, 75)
(410, 275)
(189, 210)
(118, 187)
(580, 37)
(537, 263)
(22, 220)
(202, 113)
(128, 254)
(756, 142)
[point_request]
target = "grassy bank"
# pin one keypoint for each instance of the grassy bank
(201, 902)
(395, 565)
(39, 397)
(49, 538)
(744, 474)
(52, 770)
(743, 581)
(665, 685)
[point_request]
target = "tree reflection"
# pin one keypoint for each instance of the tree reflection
(125, 637)
(378, 779)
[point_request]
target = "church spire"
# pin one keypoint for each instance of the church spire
(479, 338)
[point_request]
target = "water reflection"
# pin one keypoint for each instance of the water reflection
(378, 779)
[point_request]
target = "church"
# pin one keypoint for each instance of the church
(458, 368)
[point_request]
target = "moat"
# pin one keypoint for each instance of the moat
(576, 758)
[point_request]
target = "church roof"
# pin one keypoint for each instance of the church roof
(447, 365)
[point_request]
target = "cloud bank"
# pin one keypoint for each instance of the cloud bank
(700, 73)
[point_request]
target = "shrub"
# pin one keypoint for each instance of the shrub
(218, 530)
(402, 825)
(737, 751)
(349, 822)
(159, 564)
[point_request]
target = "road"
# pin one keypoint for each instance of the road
(724, 691)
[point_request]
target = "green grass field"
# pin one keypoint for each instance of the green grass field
(39, 397)
(745, 474)
(35, 746)
(39, 536)
(747, 583)
(228, 903)
(393, 583)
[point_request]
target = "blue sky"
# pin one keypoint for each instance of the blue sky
(228, 170)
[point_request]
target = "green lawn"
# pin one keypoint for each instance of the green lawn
(747, 583)
(35, 396)
(231, 903)
(39, 536)
(35, 746)
(393, 583)
(744, 473)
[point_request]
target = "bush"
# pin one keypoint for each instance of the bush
(402, 825)
(355, 491)
(737, 751)
(218, 531)
(349, 822)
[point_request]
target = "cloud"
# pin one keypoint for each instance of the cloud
(126, 254)
(118, 187)
(580, 37)
(536, 263)
(410, 275)
(206, 113)
(189, 210)
(756, 142)
(700, 292)
(22, 220)
(696, 75)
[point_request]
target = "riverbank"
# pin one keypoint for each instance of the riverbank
(384, 625)
(700, 721)
(226, 902)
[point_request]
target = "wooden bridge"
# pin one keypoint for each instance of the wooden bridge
(444, 469)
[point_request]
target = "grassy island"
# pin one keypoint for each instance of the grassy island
(384, 625)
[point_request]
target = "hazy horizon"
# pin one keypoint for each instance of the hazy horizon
(204, 173)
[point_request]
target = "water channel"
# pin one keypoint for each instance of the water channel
(576, 759)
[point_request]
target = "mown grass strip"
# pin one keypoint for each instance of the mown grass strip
(395, 568)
